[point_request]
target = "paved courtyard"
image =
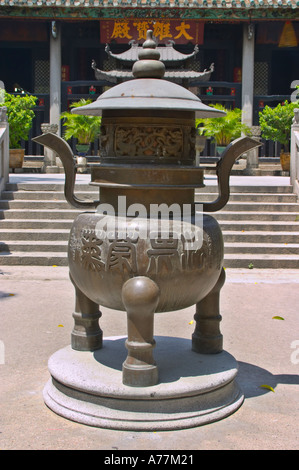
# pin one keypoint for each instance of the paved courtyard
(36, 320)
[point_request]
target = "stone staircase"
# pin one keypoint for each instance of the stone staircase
(260, 225)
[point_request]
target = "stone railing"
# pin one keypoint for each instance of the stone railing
(294, 165)
(4, 149)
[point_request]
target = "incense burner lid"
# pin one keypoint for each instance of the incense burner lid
(149, 94)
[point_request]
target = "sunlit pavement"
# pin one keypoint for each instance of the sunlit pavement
(36, 320)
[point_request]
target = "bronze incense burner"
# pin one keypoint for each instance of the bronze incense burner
(146, 246)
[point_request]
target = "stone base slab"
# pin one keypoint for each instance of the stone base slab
(193, 389)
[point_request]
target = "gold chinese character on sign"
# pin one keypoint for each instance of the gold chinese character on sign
(121, 30)
(142, 27)
(161, 30)
(182, 31)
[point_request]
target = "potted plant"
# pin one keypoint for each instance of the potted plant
(276, 125)
(20, 115)
(85, 129)
(223, 129)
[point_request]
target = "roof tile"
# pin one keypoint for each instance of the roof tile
(226, 4)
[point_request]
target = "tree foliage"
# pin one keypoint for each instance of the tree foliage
(20, 115)
(83, 128)
(223, 129)
(276, 123)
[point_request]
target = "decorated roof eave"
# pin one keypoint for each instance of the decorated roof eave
(113, 75)
(167, 53)
(254, 10)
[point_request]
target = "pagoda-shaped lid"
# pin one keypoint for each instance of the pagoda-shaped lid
(148, 91)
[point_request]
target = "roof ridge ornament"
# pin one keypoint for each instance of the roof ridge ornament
(148, 64)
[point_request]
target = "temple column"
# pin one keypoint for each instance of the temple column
(247, 87)
(55, 88)
(55, 74)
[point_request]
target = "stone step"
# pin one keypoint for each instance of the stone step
(71, 213)
(202, 197)
(40, 214)
(265, 261)
(240, 226)
(288, 189)
(231, 260)
(31, 246)
(231, 206)
(50, 195)
(47, 186)
(262, 248)
(35, 204)
(58, 234)
(230, 248)
(278, 261)
(249, 226)
(93, 188)
(271, 189)
(260, 237)
(261, 207)
(28, 224)
(54, 187)
(33, 259)
(250, 197)
(39, 234)
(35, 234)
(251, 216)
(260, 224)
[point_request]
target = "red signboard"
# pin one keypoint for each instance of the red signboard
(179, 31)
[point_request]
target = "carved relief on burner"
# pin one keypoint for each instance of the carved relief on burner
(163, 254)
(190, 143)
(146, 141)
(104, 141)
(74, 246)
(91, 252)
(159, 254)
(212, 245)
(160, 142)
(105, 255)
(122, 255)
(170, 254)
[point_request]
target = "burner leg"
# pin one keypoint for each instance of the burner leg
(207, 338)
(86, 334)
(140, 297)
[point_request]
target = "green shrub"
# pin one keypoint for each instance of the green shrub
(20, 115)
(83, 128)
(223, 129)
(276, 123)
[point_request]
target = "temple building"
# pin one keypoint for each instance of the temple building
(241, 53)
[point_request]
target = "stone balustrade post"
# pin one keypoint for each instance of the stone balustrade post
(252, 158)
(52, 163)
(4, 148)
(294, 163)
